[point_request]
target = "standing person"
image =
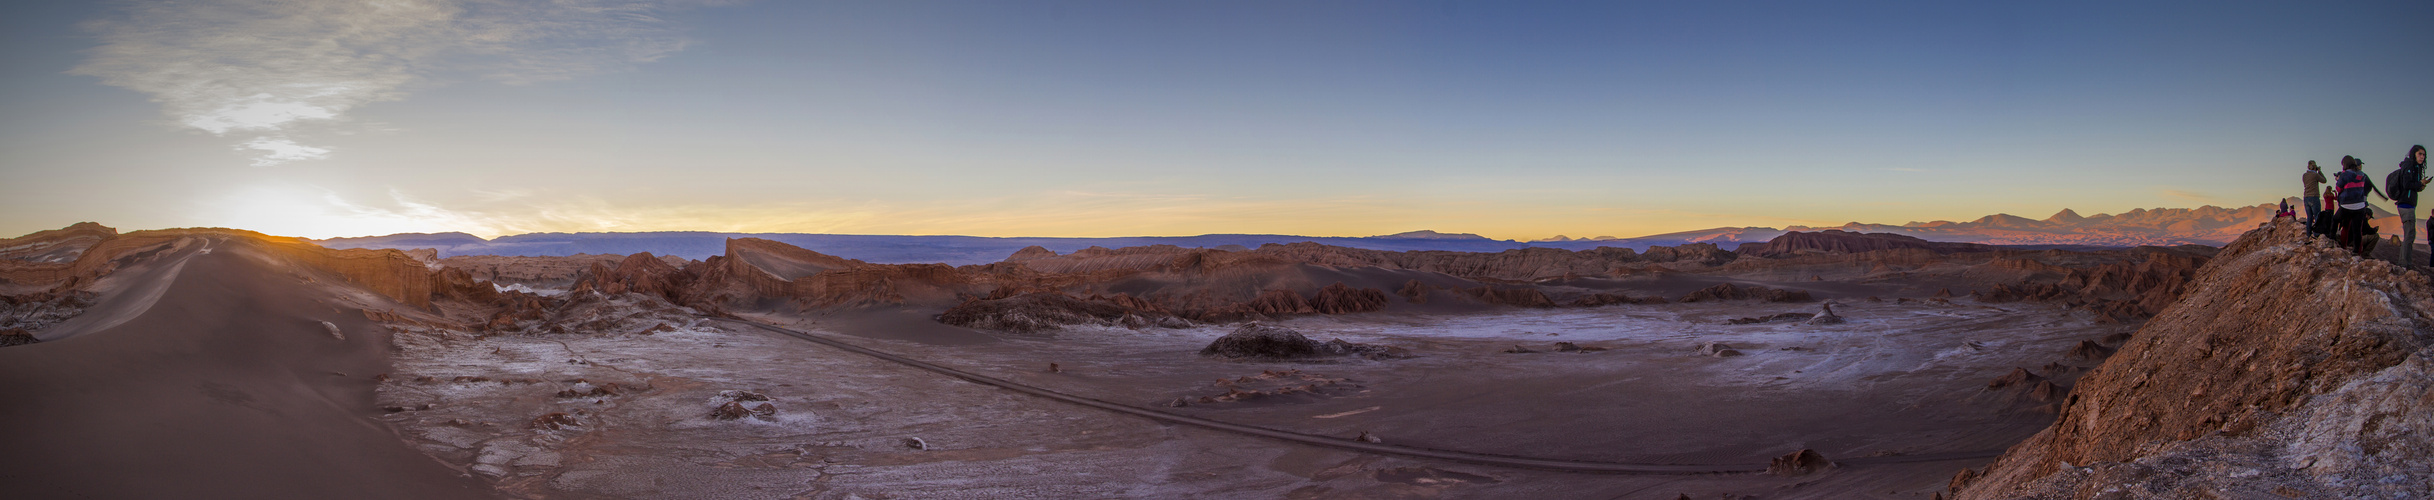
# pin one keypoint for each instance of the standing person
(2352, 186)
(2417, 158)
(2403, 184)
(2313, 178)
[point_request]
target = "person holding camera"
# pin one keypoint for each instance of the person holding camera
(2312, 181)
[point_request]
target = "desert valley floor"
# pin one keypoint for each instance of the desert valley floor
(225, 364)
(1896, 380)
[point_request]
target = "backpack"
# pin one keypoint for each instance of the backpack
(2352, 185)
(2402, 184)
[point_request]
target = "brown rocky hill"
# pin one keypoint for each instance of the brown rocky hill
(390, 273)
(537, 271)
(2287, 369)
(1141, 285)
(56, 245)
(2206, 225)
(1153, 284)
(1837, 241)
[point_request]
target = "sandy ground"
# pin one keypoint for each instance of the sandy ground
(209, 373)
(1899, 380)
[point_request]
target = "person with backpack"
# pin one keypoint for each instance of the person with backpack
(2352, 186)
(2403, 184)
(2416, 161)
(2313, 179)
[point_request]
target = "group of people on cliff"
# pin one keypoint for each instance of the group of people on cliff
(2344, 214)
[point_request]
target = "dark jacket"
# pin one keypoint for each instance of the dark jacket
(2354, 186)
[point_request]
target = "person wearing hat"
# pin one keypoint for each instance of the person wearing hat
(2313, 179)
(2352, 186)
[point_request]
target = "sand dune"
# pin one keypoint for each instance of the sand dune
(210, 375)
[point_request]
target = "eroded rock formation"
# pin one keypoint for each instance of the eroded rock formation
(1729, 291)
(2287, 367)
(1260, 341)
(1844, 242)
(1799, 463)
(1037, 311)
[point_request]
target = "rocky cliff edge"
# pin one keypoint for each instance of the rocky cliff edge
(2289, 369)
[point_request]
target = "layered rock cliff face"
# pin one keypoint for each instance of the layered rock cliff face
(2288, 367)
(539, 272)
(2140, 287)
(55, 246)
(1101, 285)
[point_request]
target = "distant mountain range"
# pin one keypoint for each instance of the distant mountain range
(888, 249)
(2207, 225)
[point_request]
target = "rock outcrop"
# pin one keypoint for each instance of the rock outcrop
(16, 337)
(2129, 289)
(39, 310)
(2287, 367)
(1038, 311)
(1260, 341)
(1718, 349)
(531, 271)
(1836, 241)
(739, 405)
(1799, 463)
(1729, 291)
(1826, 316)
(390, 273)
(1341, 299)
(55, 246)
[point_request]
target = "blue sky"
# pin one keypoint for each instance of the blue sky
(1511, 120)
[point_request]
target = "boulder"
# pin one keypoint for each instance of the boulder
(1718, 349)
(1826, 316)
(1799, 463)
(2089, 350)
(2017, 377)
(731, 411)
(16, 336)
(1257, 340)
(554, 421)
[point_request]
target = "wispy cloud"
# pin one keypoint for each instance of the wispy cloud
(265, 71)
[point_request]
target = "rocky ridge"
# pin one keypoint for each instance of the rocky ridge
(1164, 285)
(2288, 367)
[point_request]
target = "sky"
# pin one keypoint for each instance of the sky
(1512, 120)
